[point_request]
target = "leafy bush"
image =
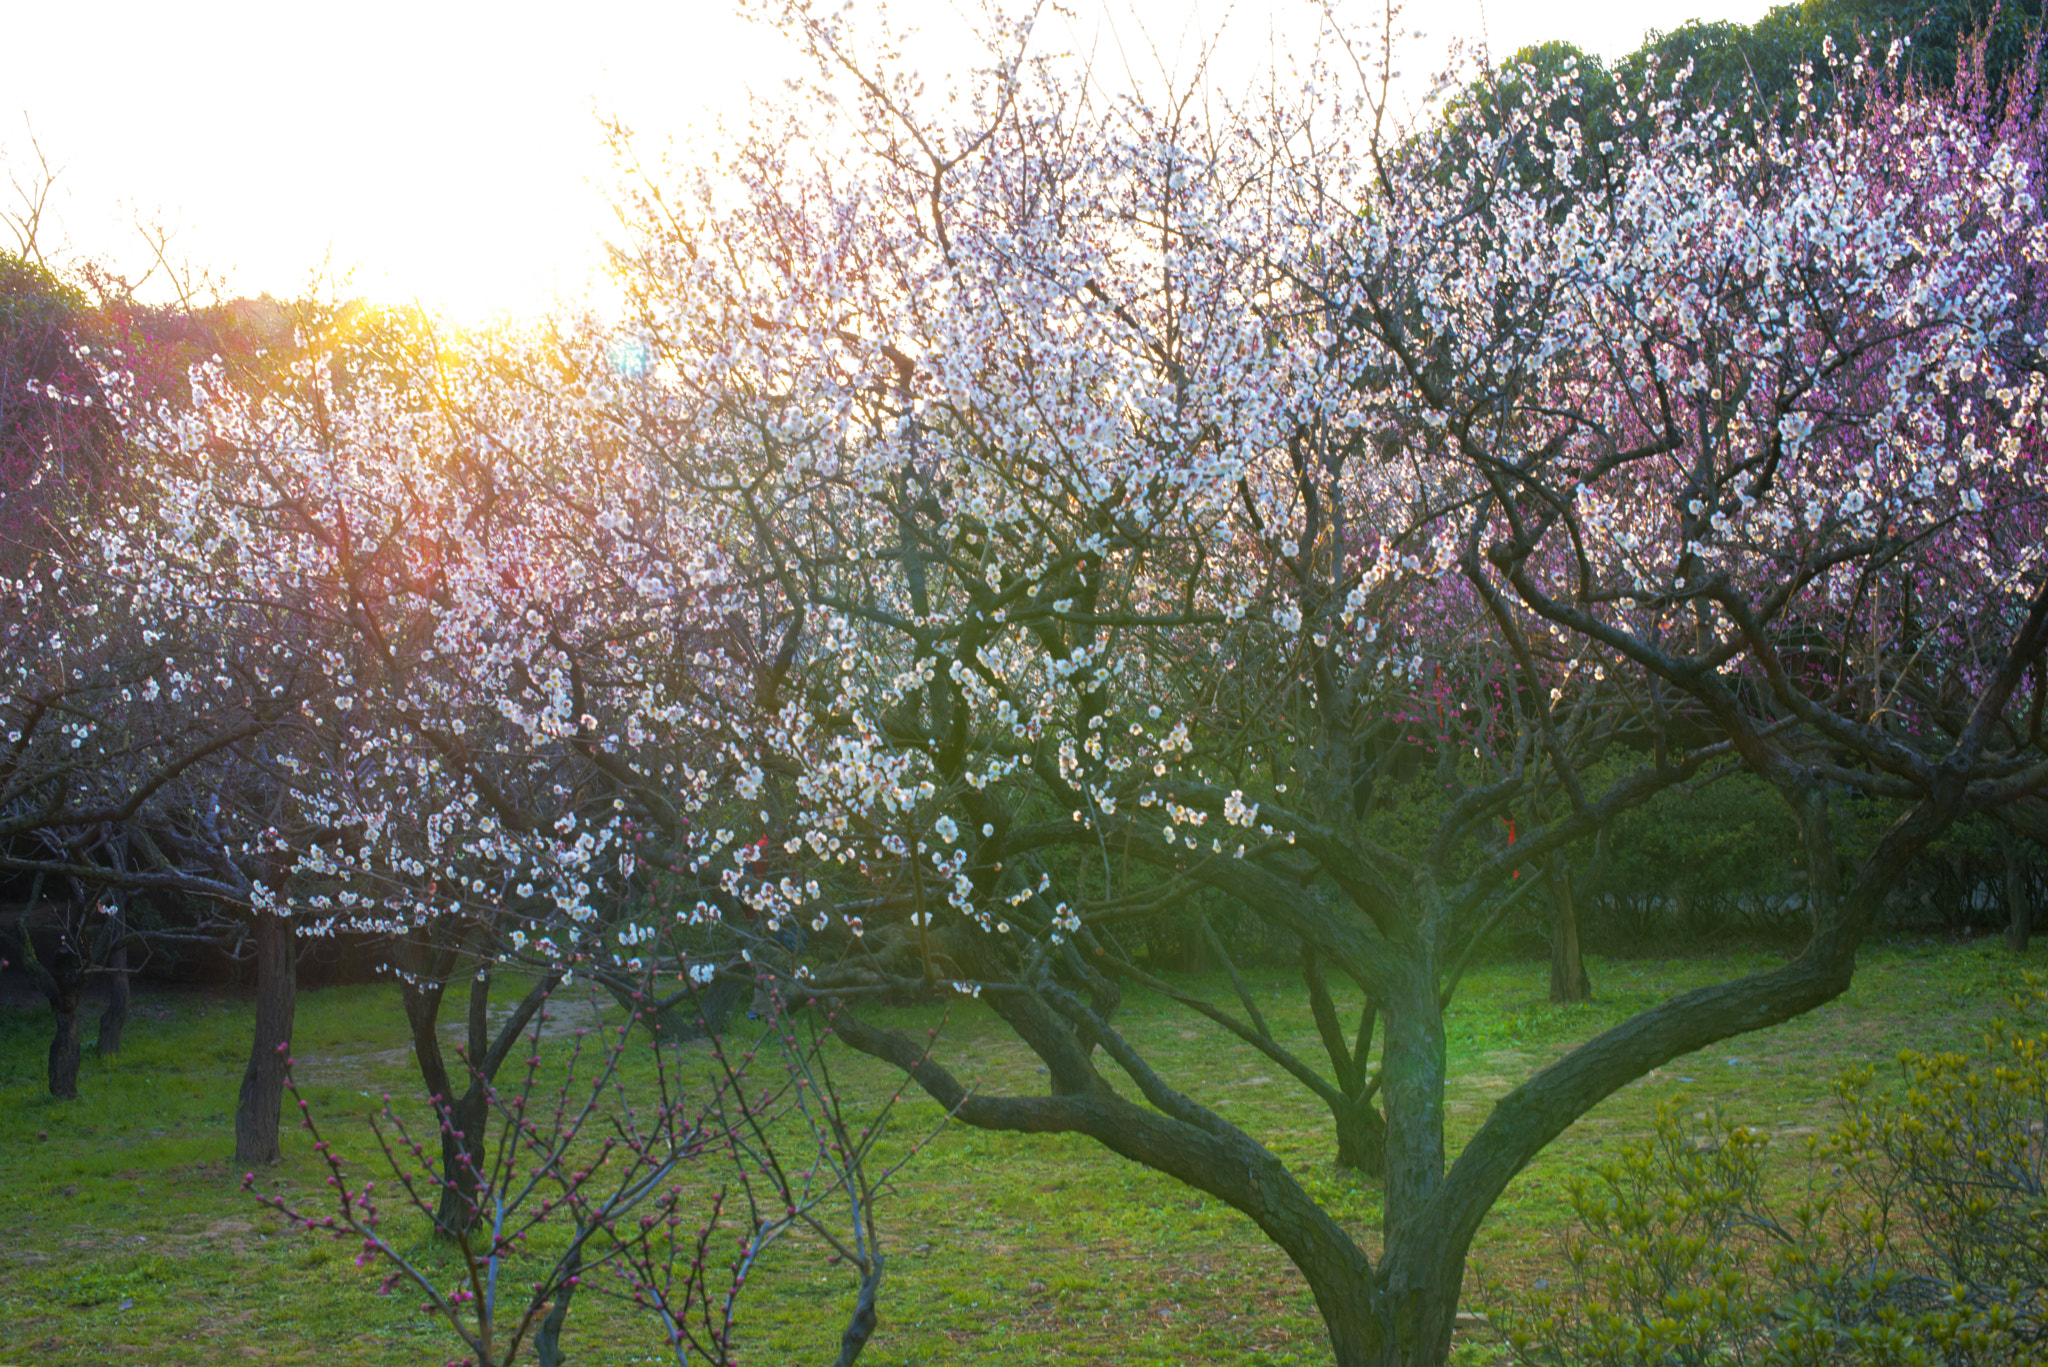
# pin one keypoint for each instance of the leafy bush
(1712, 861)
(1919, 1234)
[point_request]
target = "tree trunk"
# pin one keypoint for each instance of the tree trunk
(462, 1122)
(463, 1116)
(462, 1157)
(60, 983)
(2019, 903)
(860, 1326)
(422, 988)
(547, 1340)
(115, 1018)
(1362, 1139)
(1569, 984)
(1361, 1133)
(1194, 944)
(1346, 1299)
(65, 1052)
(1817, 847)
(1415, 1304)
(262, 1095)
(1418, 1291)
(1181, 1139)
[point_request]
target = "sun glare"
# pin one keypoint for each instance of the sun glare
(443, 155)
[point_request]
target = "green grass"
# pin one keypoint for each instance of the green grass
(128, 1239)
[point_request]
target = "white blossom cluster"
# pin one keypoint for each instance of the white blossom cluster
(1070, 489)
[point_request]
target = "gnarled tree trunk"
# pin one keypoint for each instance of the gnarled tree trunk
(61, 981)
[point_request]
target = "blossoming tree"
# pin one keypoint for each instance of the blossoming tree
(1145, 476)
(530, 655)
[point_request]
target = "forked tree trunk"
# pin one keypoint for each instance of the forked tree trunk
(422, 989)
(262, 1094)
(1418, 1299)
(1402, 1313)
(1361, 1132)
(1370, 1325)
(462, 1115)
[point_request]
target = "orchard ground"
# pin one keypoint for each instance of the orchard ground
(128, 1238)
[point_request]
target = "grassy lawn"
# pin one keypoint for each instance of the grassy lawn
(128, 1239)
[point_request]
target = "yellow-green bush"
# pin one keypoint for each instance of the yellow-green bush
(1914, 1235)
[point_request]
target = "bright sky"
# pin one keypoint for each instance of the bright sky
(450, 152)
